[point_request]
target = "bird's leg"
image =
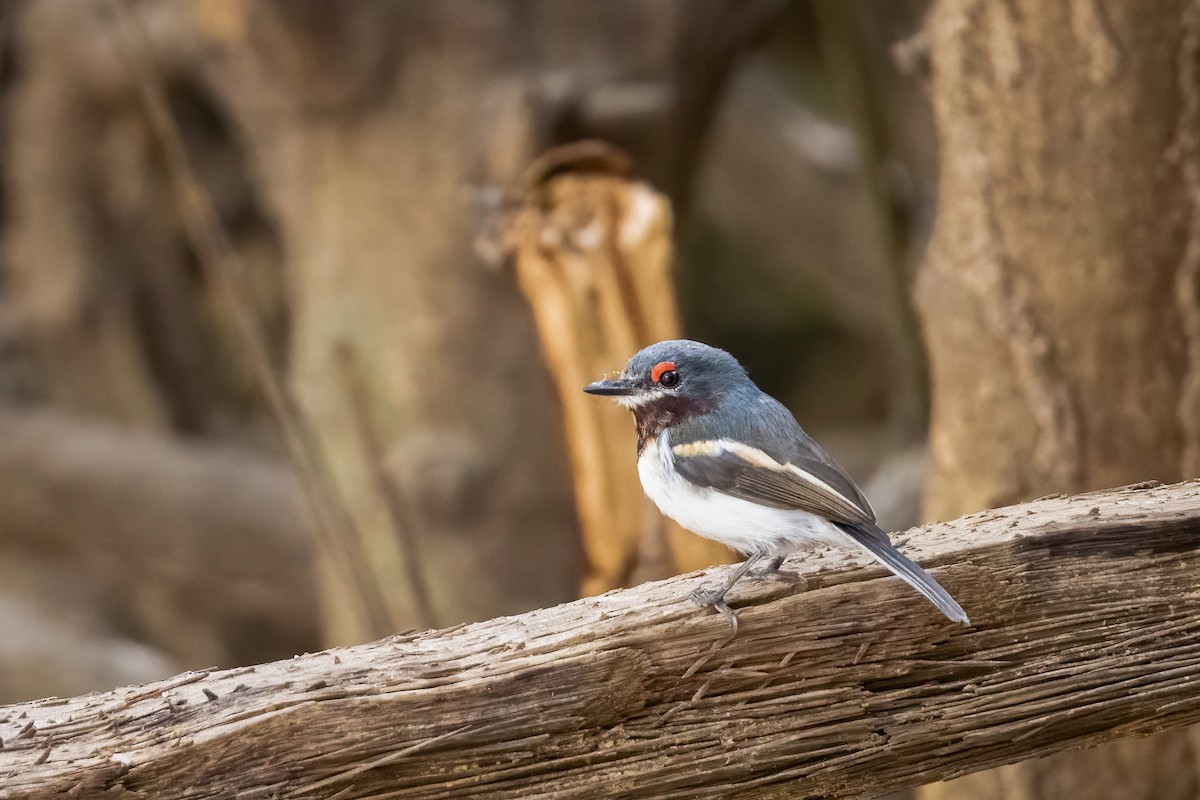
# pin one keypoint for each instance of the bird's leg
(716, 597)
(710, 597)
(772, 570)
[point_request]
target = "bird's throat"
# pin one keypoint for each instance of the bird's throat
(664, 412)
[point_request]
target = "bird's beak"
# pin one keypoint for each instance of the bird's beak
(618, 387)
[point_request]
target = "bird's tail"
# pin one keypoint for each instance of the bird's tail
(876, 542)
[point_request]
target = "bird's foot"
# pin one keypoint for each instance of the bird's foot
(708, 596)
(715, 598)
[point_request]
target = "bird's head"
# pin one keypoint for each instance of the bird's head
(673, 380)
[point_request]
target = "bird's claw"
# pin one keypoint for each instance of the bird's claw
(715, 598)
(707, 596)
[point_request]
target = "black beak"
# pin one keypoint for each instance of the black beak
(620, 386)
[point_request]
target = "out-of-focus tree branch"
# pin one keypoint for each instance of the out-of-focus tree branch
(202, 550)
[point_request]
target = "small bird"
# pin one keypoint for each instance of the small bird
(729, 462)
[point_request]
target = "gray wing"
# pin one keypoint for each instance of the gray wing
(762, 455)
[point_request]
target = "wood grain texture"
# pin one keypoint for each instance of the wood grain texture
(1087, 628)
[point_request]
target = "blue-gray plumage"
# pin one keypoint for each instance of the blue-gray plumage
(729, 462)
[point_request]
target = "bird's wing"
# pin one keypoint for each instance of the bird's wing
(744, 471)
(804, 484)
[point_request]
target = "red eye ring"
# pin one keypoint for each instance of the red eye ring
(657, 371)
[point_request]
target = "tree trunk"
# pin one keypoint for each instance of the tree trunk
(1060, 292)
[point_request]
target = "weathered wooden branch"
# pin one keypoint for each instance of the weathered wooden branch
(1087, 628)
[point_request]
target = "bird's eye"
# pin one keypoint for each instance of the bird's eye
(665, 374)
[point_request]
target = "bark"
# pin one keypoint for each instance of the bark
(1061, 292)
(591, 246)
(380, 132)
(202, 551)
(1060, 289)
(1086, 628)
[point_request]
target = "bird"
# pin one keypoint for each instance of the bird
(729, 462)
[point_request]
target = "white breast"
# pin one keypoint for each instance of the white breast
(739, 524)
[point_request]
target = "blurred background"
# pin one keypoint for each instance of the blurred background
(296, 298)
